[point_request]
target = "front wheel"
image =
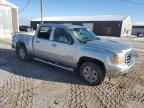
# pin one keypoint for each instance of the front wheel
(92, 73)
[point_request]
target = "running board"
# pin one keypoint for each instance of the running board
(55, 64)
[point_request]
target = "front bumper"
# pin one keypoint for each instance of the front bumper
(119, 70)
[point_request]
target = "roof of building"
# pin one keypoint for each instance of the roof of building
(10, 4)
(85, 18)
(139, 24)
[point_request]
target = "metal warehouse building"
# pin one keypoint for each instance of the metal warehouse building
(103, 25)
(138, 30)
(8, 19)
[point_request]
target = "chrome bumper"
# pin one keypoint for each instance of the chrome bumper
(120, 70)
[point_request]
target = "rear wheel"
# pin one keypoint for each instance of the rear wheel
(92, 73)
(22, 53)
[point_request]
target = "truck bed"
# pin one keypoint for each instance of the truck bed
(25, 33)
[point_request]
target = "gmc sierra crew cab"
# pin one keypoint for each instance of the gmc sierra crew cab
(74, 47)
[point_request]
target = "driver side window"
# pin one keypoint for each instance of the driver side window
(62, 36)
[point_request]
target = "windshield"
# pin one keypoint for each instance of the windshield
(84, 35)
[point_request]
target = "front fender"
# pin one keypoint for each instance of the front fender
(98, 54)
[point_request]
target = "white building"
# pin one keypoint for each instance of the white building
(8, 19)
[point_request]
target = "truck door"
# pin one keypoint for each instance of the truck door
(41, 42)
(63, 47)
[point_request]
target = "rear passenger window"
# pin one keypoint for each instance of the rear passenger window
(44, 33)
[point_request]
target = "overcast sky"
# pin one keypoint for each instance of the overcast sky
(135, 8)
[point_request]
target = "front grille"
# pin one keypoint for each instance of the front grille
(128, 58)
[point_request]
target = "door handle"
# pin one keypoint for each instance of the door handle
(54, 45)
(37, 41)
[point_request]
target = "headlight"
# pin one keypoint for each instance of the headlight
(119, 58)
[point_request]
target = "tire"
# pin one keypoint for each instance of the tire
(92, 73)
(22, 53)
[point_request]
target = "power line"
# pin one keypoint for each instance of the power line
(27, 4)
(133, 2)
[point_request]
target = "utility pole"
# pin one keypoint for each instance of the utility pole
(41, 3)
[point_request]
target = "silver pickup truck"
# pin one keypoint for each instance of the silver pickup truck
(75, 48)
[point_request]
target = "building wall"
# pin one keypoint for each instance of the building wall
(126, 29)
(2, 1)
(8, 20)
(15, 19)
(89, 25)
(138, 31)
(102, 28)
(108, 28)
(5, 22)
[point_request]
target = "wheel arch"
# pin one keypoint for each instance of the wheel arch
(19, 43)
(22, 44)
(89, 59)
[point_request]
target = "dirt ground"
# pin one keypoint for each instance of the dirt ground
(37, 85)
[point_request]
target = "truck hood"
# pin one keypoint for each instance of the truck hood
(113, 46)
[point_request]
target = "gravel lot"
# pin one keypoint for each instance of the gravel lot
(37, 85)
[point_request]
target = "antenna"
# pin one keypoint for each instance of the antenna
(41, 3)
